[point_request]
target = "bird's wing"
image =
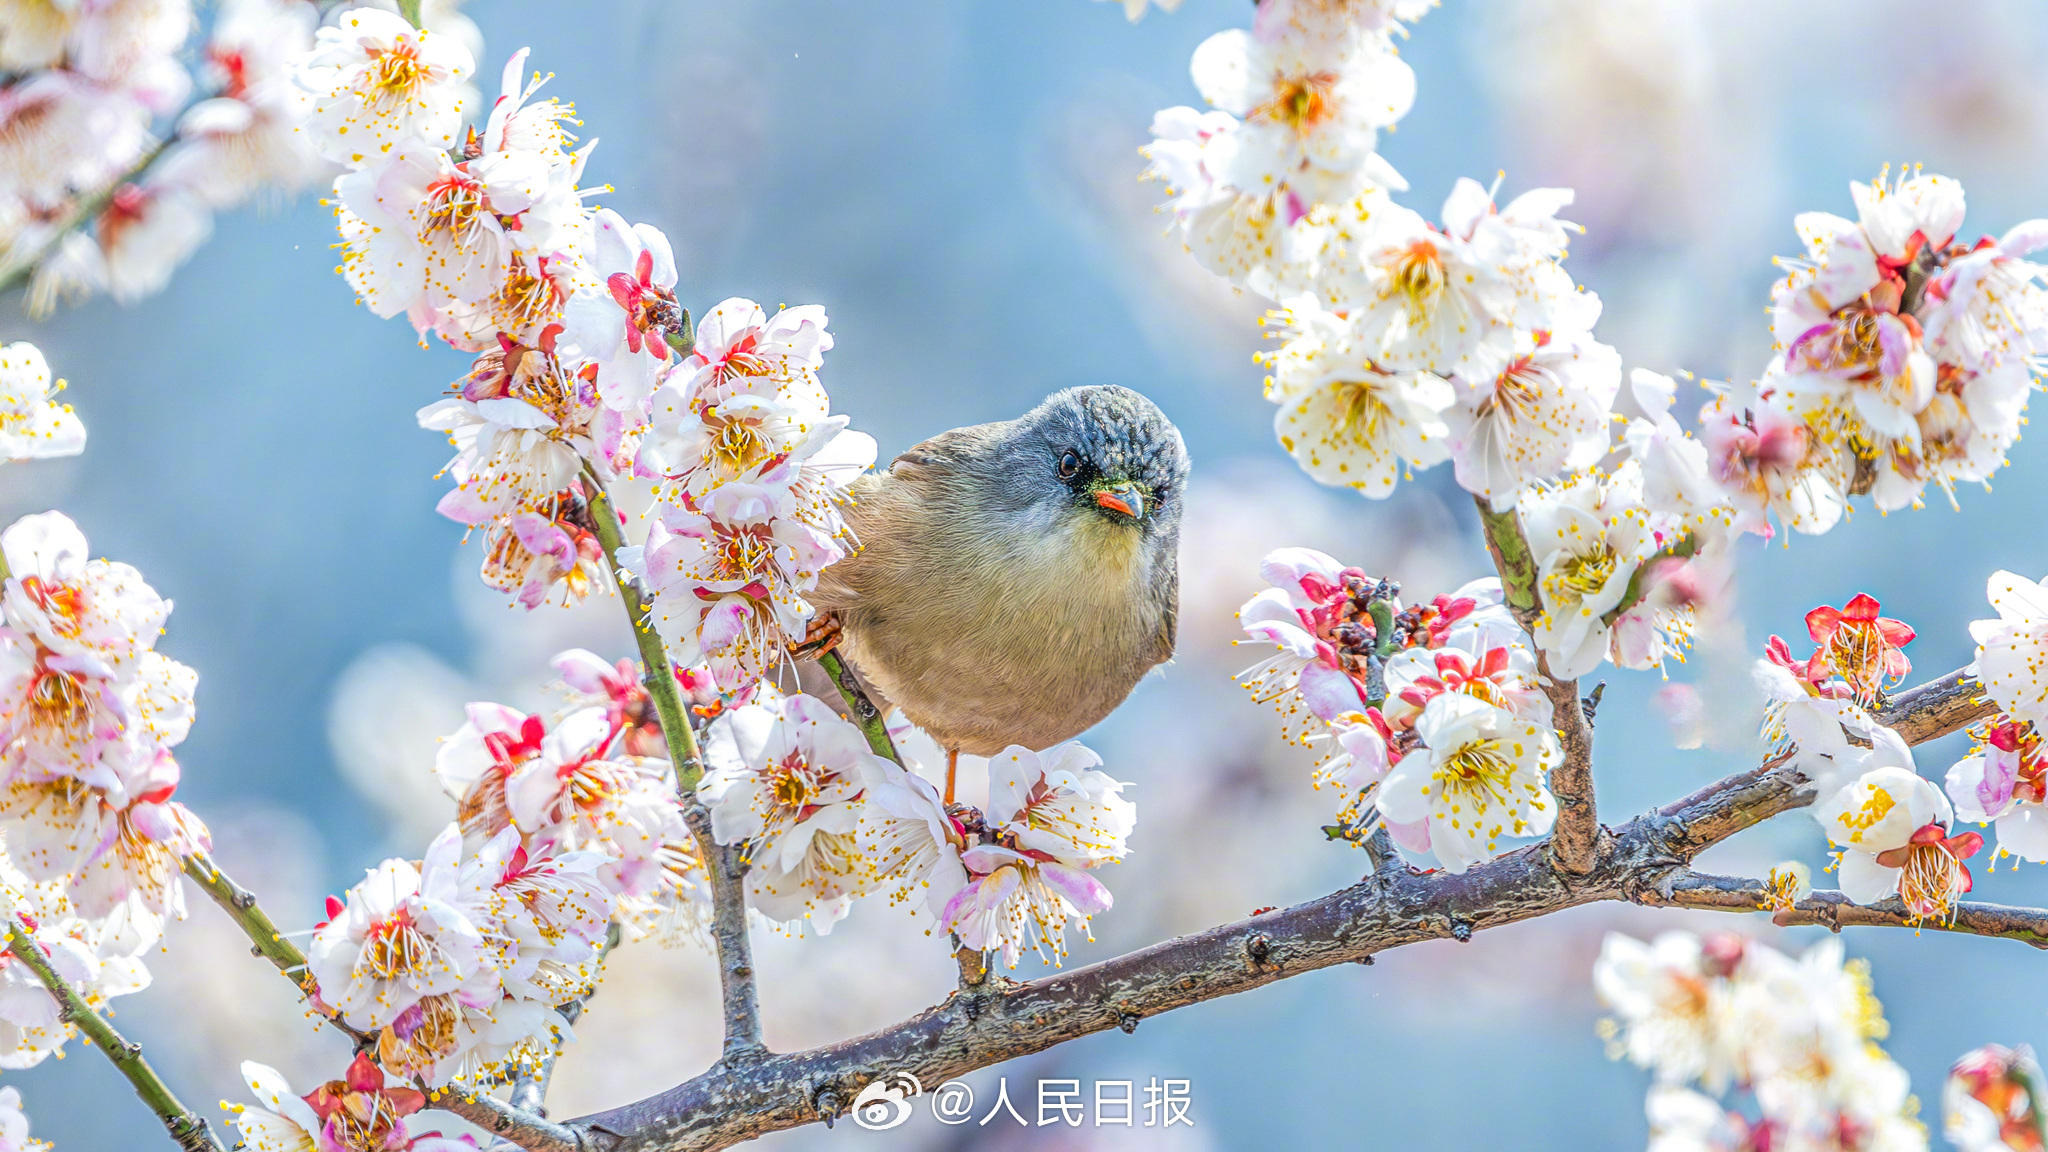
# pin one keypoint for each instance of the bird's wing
(937, 457)
(1169, 616)
(886, 506)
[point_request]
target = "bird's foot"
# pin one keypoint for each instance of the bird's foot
(820, 638)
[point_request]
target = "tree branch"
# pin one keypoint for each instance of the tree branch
(525, 1129)
(1932, 710)
(658, 674)
(191, 1132)
(859, 708)
(1575, 838)
(264, 938)
(1645, 861)
(1685, 888)
(727, 867)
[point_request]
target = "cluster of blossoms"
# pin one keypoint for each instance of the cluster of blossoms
(1892, 827)
(823, 820)
(89, 713)
(587, 366)
(93, 88)
(1798, 1035)
(754, 473)
(1442, 731)
(458, 962)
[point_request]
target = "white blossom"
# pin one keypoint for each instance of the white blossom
(33, 426)
(377, 81)
(1479, 775)
(402, 934)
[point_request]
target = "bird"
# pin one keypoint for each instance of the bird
(1016, 580)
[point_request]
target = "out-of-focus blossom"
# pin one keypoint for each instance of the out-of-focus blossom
(138, 240)
(1989, 1103)
(114, 845)
(14, 1124)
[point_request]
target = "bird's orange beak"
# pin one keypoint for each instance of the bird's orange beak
(1124, 497)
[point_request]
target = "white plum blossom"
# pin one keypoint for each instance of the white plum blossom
(33, 426)
(1479, 775)
(1012, 899)
(622, 324)
(1678, 481)
(1587, 535)
(1309, 599)
(786, 779)
(1059, 803)
(61, 133)
(375, 81)
(1674, 1012)
(576, 792)
(1346, 418)
(2012, 650)
(14, 1123)
(1893, 827)
(1546, 412)
(2004, 782)
(521, 426)
(138, 240)
(403, 933)
(1987, 308)
(907, 840)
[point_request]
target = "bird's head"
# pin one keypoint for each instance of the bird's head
(1104, 452)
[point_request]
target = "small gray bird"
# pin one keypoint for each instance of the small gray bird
(1017, 579)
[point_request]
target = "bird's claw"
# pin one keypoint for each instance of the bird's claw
(821, 637)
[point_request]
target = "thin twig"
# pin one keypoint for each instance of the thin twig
(264, 938)
(1831, 909)
(725, 864)
(859, 708)
(658, 674)
(515, 1125)
(185, 1127)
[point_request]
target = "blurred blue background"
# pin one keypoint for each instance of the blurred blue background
(957, 182)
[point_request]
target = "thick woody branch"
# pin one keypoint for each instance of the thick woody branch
(727, 867)
(185, 1127)
(1684, 888)
(513, 1125)
(1932, 710)
(1575, 838)
(1645, 861)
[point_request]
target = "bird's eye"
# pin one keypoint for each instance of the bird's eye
(1070, 465)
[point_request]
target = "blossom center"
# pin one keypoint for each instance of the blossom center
(1419, 277)
(1932, 880)
(398, 75)
(456, 205)
(1302, 103)
(396, 947)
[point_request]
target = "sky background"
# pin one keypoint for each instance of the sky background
(956, 181)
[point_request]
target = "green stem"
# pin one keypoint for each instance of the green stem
(191, 1133)
(264, 938)
(859, 708)
(1514, 560)
(1638, 584)
(660, 675)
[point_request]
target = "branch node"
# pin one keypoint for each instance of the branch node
(1258, 948)
(1461, 930)
(1366, 959)
(827, 1103)
(1128, 1021)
